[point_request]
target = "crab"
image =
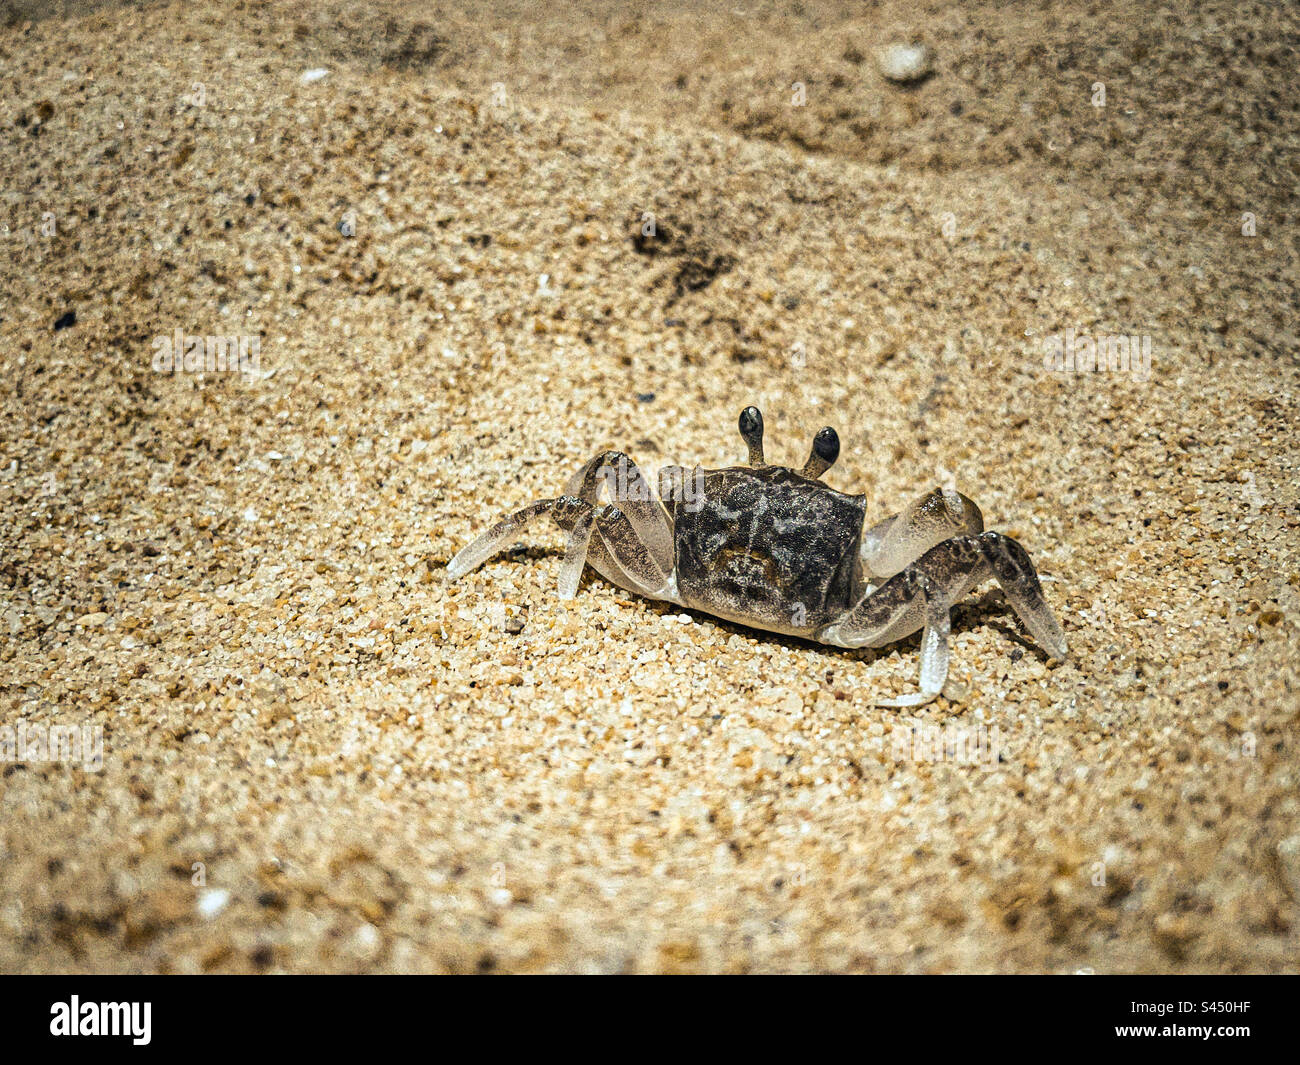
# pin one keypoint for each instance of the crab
(775, 549)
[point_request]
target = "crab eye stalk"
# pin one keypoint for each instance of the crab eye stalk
(751, 430)
(825, 450)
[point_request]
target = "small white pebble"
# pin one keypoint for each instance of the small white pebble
(315, 74)
(904, 62)
(212, 902)
(366, 939)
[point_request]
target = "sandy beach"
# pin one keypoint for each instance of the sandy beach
(445, 254)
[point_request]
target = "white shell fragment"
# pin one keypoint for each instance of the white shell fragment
(212, 902)
(905, 62)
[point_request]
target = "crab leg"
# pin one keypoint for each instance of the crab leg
(566, 510)
(903, 604)
(622, 545)
(634, 497)
(600, 535)
(575, 554)
(921, 596)
(887, 548)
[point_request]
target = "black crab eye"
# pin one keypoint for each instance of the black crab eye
(826, 445)
(751, 431)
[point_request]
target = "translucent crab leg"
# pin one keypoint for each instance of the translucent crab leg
(505, 532)
(906, 602)
(889, 547)
(622, 545)
(934, 657)
(918, 595)
(575, 554)
(634, 497)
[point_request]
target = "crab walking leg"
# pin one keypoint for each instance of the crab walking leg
(889, 547)
(565, 510)
(965, 561)
(575, 554)
(617, 553)
(942, 576)
(606, 539)
(635, 498)
(906, 602)
(630, 555)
